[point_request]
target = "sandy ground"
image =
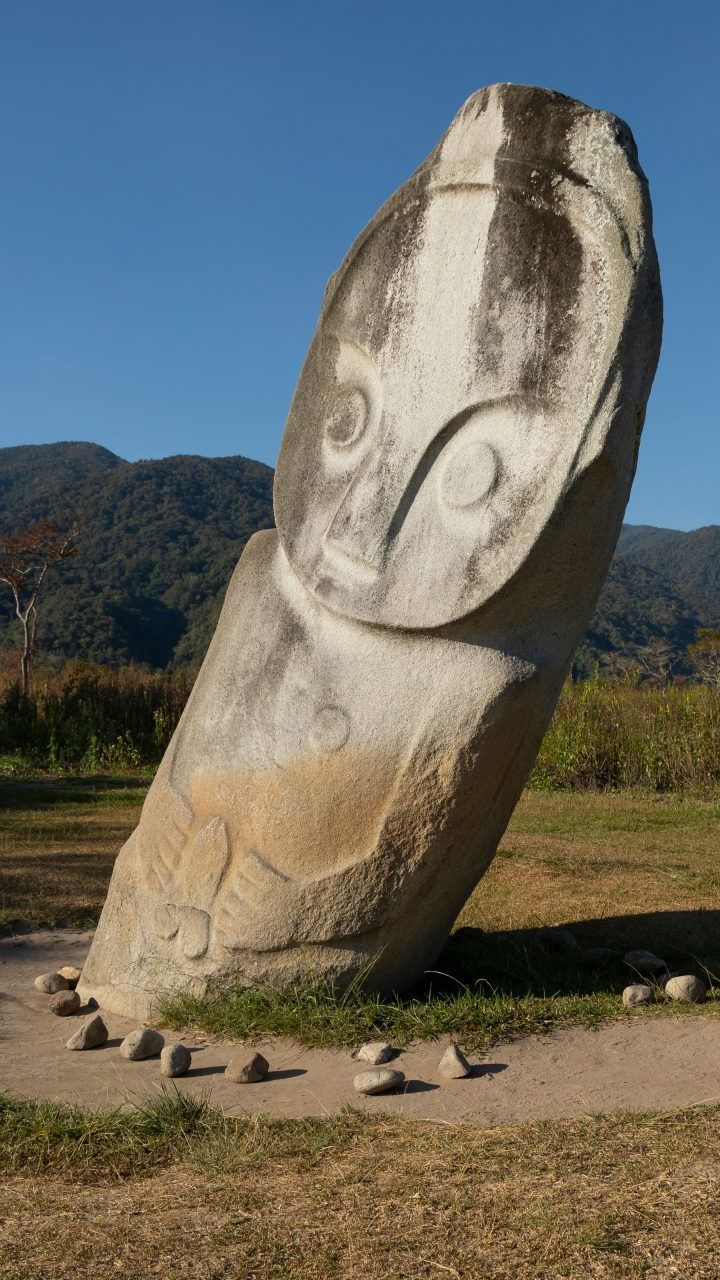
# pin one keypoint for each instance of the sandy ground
(634, 1064)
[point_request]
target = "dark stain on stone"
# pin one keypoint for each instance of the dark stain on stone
(533, 256)
(365, 288)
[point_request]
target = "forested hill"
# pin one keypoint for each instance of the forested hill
(163, 537)
(690, 561)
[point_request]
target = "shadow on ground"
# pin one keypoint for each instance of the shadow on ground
(515, 963)
(63, 791)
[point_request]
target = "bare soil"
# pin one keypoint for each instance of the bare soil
(635, 1064)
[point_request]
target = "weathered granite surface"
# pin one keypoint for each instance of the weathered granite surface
(449, 492)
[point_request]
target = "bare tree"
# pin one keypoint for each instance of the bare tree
(25, 559)
(623, 667)
(704, 655)
(658, 659)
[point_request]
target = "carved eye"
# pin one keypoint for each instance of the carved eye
(348, 418)
(469, 475)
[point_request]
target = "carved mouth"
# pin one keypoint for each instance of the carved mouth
(345, 562)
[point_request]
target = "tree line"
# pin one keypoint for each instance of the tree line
(32, 552)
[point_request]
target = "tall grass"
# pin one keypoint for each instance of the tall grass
(608, 734)
(91, 719)
(605, 734)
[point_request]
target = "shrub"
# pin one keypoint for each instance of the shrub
(96, 718)
(611, 734)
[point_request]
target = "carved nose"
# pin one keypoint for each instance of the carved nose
(360, 529)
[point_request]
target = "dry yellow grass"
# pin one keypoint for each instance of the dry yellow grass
(353, 1199)
(567, 856)
(602, 861)
(58, 842)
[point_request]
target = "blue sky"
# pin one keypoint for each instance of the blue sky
(178, 180)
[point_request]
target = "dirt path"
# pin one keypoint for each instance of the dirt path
(635, 1064)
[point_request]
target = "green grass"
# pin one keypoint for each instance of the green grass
(319, 1016)
(48, 1137)
(600, 815)
(509, 991)
(38, 1137)
(72, 795)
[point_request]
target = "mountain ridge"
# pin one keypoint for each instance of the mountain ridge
(163, 536)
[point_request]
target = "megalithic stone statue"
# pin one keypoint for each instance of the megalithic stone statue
(449, 492)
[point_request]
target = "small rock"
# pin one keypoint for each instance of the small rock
(378, 1081)
(64, 1003)
(599, 955)
(50, 983)
(142, 1043)
(686, 987)
(71, 973)
(90, 1035)
(453, 1064)
(375, 1052)
(247, 1068)
(645, 962)
(175, 1060)
(638, 993)
(556, 940)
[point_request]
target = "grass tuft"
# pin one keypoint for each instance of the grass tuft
(40, 1137)
(318, 1016)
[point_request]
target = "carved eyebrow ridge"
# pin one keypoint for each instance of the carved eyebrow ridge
(433, 452)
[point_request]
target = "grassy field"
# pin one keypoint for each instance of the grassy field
(622, 870)
(58, 842)
(177, 1190)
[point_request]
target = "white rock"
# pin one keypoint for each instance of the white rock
(91, 1035)
(686, 987)
(51, 983)
(375, 1052)
(142, 1043)
(175, 1060)
(453, 1064)
(380, 1080)
(637, 994)
(70, 972)
(453, 473)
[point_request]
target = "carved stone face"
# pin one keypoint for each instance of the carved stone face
(457, 363)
